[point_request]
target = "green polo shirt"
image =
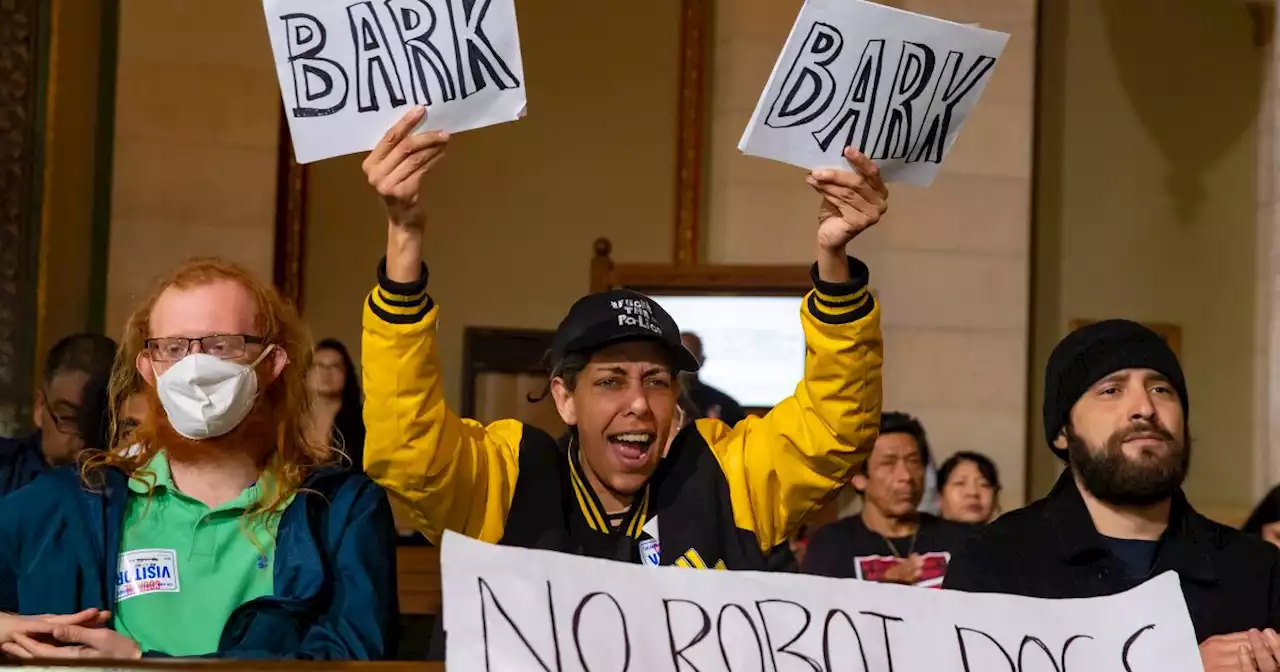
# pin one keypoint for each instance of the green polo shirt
(184, 567)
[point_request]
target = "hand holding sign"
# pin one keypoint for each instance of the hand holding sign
(397, 164)
(851, 202)
(1241, 652)
(893, 84)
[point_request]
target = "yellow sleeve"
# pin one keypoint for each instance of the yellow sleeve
(454, 473)
(789, 463)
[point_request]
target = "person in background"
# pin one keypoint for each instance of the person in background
(222, 532)
(708, 401)
(890, 541)
(338, 403)
(970, 488)
(1265, 519)
(1116, 411)
(95, 417)
(726, 496)
(68, 367)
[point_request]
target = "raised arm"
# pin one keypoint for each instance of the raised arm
(787, 464)
(454, 473)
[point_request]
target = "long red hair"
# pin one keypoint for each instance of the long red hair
(284, 401)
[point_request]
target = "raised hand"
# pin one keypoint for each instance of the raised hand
(396, 165)
(852, 202)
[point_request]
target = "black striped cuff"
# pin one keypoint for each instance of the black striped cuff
(400, 302)
(845, 302)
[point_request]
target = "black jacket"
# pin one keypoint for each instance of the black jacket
(1051, 549)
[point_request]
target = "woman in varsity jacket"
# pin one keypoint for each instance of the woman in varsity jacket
(722, 497)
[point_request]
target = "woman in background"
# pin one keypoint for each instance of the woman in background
(969, 486)
(337, 403)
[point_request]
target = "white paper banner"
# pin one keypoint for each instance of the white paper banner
(893, 84)
(349, 69)
(518, 609)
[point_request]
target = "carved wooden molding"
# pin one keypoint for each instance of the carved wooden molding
(696, 279)
(694, 23)
(20, 53)
(291, 220)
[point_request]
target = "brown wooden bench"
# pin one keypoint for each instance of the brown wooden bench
(418, 572)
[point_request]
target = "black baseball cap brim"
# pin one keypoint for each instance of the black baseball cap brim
(604, 335)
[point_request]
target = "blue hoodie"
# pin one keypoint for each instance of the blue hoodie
(335, 575)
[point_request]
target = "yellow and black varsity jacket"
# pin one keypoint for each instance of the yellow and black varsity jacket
(723, 497)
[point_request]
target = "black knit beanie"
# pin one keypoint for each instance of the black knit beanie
(1094, 352)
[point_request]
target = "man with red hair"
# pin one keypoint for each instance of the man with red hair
(222, 531)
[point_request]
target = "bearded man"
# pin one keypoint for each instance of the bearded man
(1116, 411)
(222, 531)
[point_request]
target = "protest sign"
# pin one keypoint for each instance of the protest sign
(349, 69)
(895, 85)
(519, 609)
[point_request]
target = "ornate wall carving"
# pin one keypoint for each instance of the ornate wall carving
(20, 53)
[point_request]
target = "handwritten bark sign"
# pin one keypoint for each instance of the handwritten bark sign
(896, 85)
(518, 609)
(349, 69)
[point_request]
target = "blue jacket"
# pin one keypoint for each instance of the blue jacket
(335, 575)
(20, 462)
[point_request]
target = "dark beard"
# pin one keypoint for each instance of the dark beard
(1114, 478)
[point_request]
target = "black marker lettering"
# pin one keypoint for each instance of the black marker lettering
(477, 60)
(319, 84)
(372, 51)
(951, 89)
(859, 102)
(626, 636)
(915, 71)
(826, 640)
(884, 623)
(964, 651)
(785, 648)
(1128, 644)
(677, 655)
(417, 23)
(1067, 645)
(1022, 649)
(724, 654)
(808, 77)
(484, 626)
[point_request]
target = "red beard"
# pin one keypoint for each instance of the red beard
(255, 435)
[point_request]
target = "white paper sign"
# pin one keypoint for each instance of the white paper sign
(518, 609)
(893, 84)
(349, 69)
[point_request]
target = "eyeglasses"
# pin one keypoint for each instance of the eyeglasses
(66, 424)
(222, 346)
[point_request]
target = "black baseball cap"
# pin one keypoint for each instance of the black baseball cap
(599, 320)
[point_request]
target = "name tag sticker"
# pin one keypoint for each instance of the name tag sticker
(151, 570)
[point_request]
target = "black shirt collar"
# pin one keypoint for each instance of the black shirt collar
(1185, 546)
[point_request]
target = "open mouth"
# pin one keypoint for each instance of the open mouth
(632, 447)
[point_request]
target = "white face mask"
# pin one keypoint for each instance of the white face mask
(206, 397)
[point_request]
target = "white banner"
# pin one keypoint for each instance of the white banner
(518, 609)
(349, 69)
(895, 85)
